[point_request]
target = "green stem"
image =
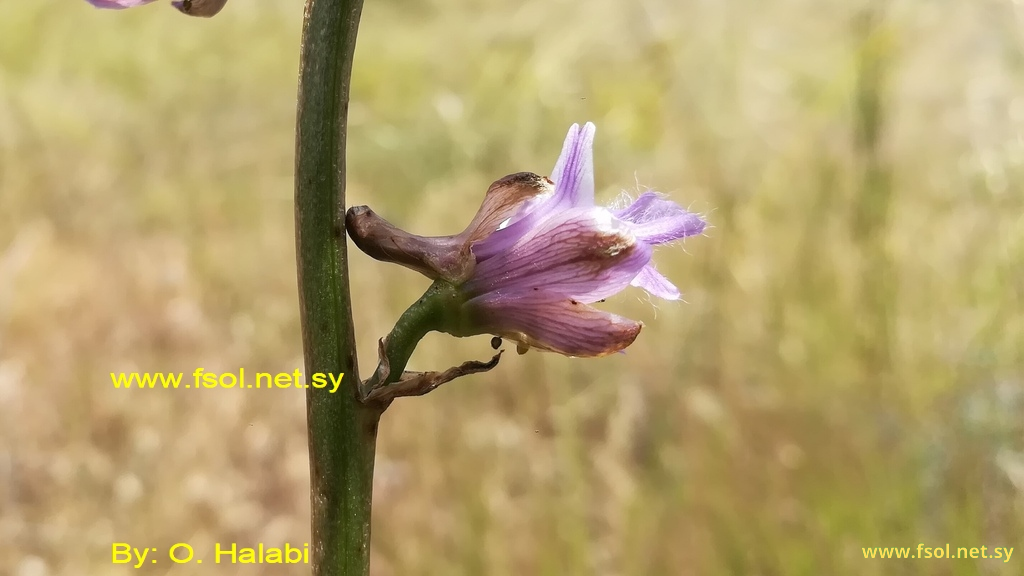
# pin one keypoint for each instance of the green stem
(435, 310)
(342, 430)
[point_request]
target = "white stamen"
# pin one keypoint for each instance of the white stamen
(609, 224)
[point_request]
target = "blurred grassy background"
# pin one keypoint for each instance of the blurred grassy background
(847, 371)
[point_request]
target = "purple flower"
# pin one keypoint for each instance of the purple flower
(535, 276)
(538, 253)
(118, 4)
(205, 8)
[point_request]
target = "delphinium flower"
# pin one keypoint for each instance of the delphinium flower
(118, 4)
(539, 253)
(205, 8)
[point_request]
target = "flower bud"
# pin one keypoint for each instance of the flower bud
(202, 8)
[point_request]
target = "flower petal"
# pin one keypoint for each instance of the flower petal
(520, 224)
(564, 326)
(573, 178)
(504, 199)
(118, 4)
(581, 253)
(656, 220)
(656, 284)
(573, 174)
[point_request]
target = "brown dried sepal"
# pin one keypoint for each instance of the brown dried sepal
(417, 383)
